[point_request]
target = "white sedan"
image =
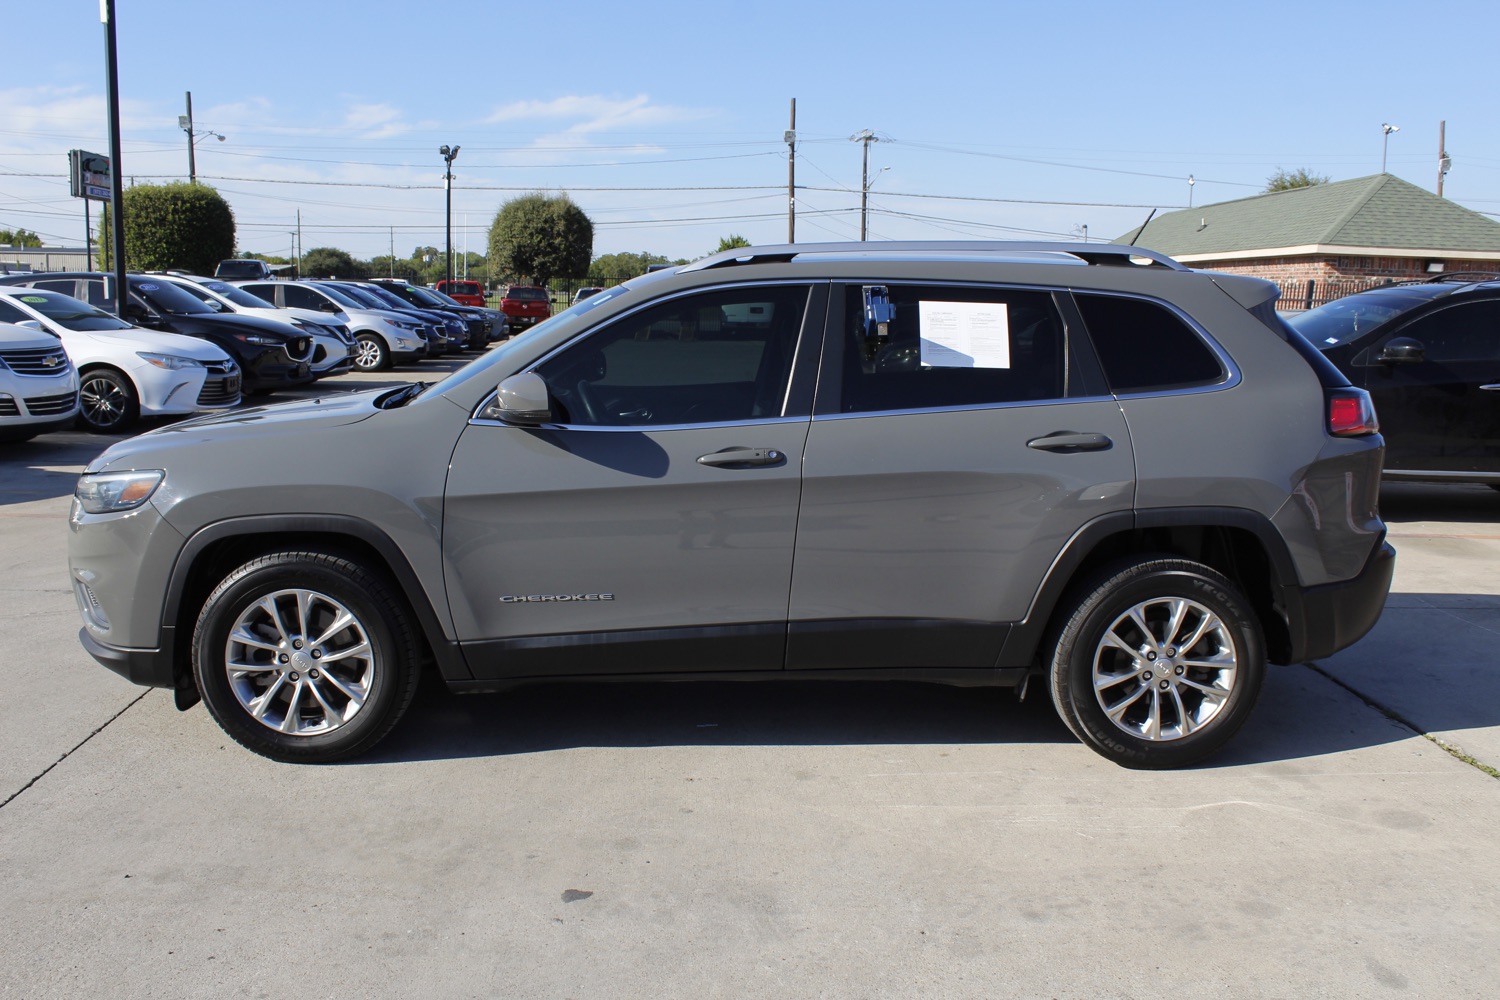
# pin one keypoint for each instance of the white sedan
(124, 371)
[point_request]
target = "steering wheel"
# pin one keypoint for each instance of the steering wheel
(588, 406)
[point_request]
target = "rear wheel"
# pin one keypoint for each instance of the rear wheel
(305, 657)
(370, 353)
(1159, 662)
(107, 401)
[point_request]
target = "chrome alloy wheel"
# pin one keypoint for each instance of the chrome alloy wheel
(104, 402)
(299, 662)
(368, 355)
(1164, 669)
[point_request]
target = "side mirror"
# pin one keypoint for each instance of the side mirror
(1402, 351)
(521, 400)
(328, 307)
(30, 324)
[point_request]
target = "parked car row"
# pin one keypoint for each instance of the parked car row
(188, 343)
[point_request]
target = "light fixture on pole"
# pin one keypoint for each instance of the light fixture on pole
(1191, 181)
(185, 122)
(448, 156)
(1385, 130)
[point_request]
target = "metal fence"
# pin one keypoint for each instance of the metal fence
(1299, 296)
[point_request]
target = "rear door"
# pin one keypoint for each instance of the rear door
(957, 443)
(650, 529)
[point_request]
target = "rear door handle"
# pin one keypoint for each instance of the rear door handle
(1070, 441)
(743, 456)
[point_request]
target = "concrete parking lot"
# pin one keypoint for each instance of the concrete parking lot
(775, 840)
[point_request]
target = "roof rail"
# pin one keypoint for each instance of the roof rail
(1089, 253)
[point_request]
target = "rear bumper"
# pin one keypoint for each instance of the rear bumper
(1332, 617)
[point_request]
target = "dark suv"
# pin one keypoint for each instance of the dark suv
(525, 305)
(1429, 356)
(994, 463)
(271, 355)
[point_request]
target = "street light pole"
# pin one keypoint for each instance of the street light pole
(1386, 129)
(185, 122)
(116, 167)
(865, 137)
(448, 156)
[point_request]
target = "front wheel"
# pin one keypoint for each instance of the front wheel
(371, 354)
(107, 401)
(305, 656)
(1159, 662)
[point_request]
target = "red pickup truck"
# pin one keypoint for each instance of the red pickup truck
(525, 305)
(470, 293)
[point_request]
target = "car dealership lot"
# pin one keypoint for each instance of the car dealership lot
(771, 840)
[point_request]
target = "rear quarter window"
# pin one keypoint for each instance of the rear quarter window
(1146, 347)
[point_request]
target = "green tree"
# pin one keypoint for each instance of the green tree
(19, 238)
(733, 242)
(384, 267)
(188, 226)
(610, 269)
(1284, 180)
(541, 237)
(331, 262)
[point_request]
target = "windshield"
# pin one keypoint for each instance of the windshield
(66, 311)
(168, 298)
(359, 297)
(430, 297)
(237, 295)
(343, 298)
(1341, 320)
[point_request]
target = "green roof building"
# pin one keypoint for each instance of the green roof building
(1321, 242)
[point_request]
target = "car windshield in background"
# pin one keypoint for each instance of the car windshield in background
(67, 311)
(431, 298)
(168, 298)
(466, 287)
(238, 295)
(527, 294)
(343, 298)
(1344, 319)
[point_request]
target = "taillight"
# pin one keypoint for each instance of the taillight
(1351, 413)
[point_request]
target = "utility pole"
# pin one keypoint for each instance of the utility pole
(297, 271)
(393, 251)
(192, 164)
(791, 176)
(1445, 162)
(116, 172)
(865, 137)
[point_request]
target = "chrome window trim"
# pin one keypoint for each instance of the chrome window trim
(477, 421)
(911, 411)
(806, 283)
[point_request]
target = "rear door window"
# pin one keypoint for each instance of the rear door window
(1466, 332)
(909, 347)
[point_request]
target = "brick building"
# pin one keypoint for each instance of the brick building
(1322, 242)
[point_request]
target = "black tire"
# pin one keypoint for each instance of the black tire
(1198, 695)
(107, 401)
(342, 710)
(371, 353)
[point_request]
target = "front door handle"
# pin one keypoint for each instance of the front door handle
(1070, 441)
(743, 456)
(1491, 388)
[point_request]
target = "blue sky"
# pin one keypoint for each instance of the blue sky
(996, 120)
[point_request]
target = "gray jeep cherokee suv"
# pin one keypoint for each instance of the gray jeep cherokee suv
(970, 463)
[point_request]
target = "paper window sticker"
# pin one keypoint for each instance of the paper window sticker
(964, 334)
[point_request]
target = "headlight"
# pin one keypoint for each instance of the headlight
(256, 338)
(108, 492)
(171, 362)
(407, 325)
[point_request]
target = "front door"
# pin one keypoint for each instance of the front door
(1442, 414)
(650, 529)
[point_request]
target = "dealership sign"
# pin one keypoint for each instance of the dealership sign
(89, 175)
